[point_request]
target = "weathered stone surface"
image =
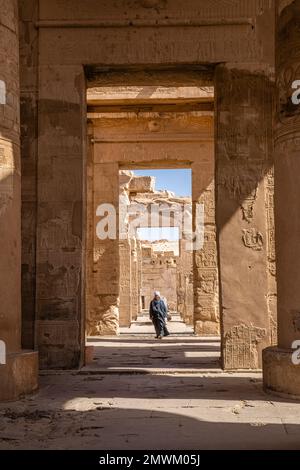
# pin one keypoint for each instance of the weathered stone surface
(241, 347)
(141, 184)
(18, 375)
(103, 261)
(125, 314)
(280, 375)
(244, 153)
(185, 282)
(10, 180)
(159, 272)
(29, 152)
(207, 328)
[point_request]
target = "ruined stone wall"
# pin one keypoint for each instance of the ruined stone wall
(159, 272)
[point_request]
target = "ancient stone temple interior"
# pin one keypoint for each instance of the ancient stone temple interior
(94, 95)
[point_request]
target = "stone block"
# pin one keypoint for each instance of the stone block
(19, 376)
(280, 375)
(142, 184)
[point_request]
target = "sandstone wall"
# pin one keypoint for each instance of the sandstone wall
(159, 272)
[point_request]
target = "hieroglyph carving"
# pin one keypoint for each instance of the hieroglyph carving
(241, 347)
(253, 239)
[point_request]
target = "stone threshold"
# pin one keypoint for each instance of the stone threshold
(131, 371)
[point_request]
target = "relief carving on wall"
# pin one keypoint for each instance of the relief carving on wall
(253, 239)
(241, 343)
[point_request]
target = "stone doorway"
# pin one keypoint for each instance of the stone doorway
(134, 125)
(154, 252)
(155, 127)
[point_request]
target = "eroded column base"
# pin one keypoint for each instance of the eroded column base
(206, 328)
(98, 328)
(19, 375)
(280, 375)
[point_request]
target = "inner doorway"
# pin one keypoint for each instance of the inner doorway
(154, 255)
(147, 128)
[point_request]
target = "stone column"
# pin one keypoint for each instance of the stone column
(134, 279)
(61, 173)
(280, 373)
(206, 301)
(139, 275)
(19, 373)
(29, 56)
(125, 283)
(185, 301)
(103, 305)
(243, 158)
(180, 280)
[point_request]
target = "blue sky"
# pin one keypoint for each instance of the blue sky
(158, 233)
(178, 181)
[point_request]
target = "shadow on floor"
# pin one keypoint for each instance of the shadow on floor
(152, 411)
(145, 339)
(127, 429)
(175, 387)
(140, 353)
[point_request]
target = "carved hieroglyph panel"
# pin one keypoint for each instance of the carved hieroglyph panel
(240, 347)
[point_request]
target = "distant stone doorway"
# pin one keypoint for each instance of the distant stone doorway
(154, 254)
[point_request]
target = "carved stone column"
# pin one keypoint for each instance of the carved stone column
(243, 159)
(281, 374)
(125, 283)
(19, 373)
(134, 280)
(205, 264)
(103, 301)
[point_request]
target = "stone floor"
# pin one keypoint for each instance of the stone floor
(142, 393)
(142, 325)
(146, 354)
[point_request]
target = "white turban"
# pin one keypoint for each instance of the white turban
(156, 292)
